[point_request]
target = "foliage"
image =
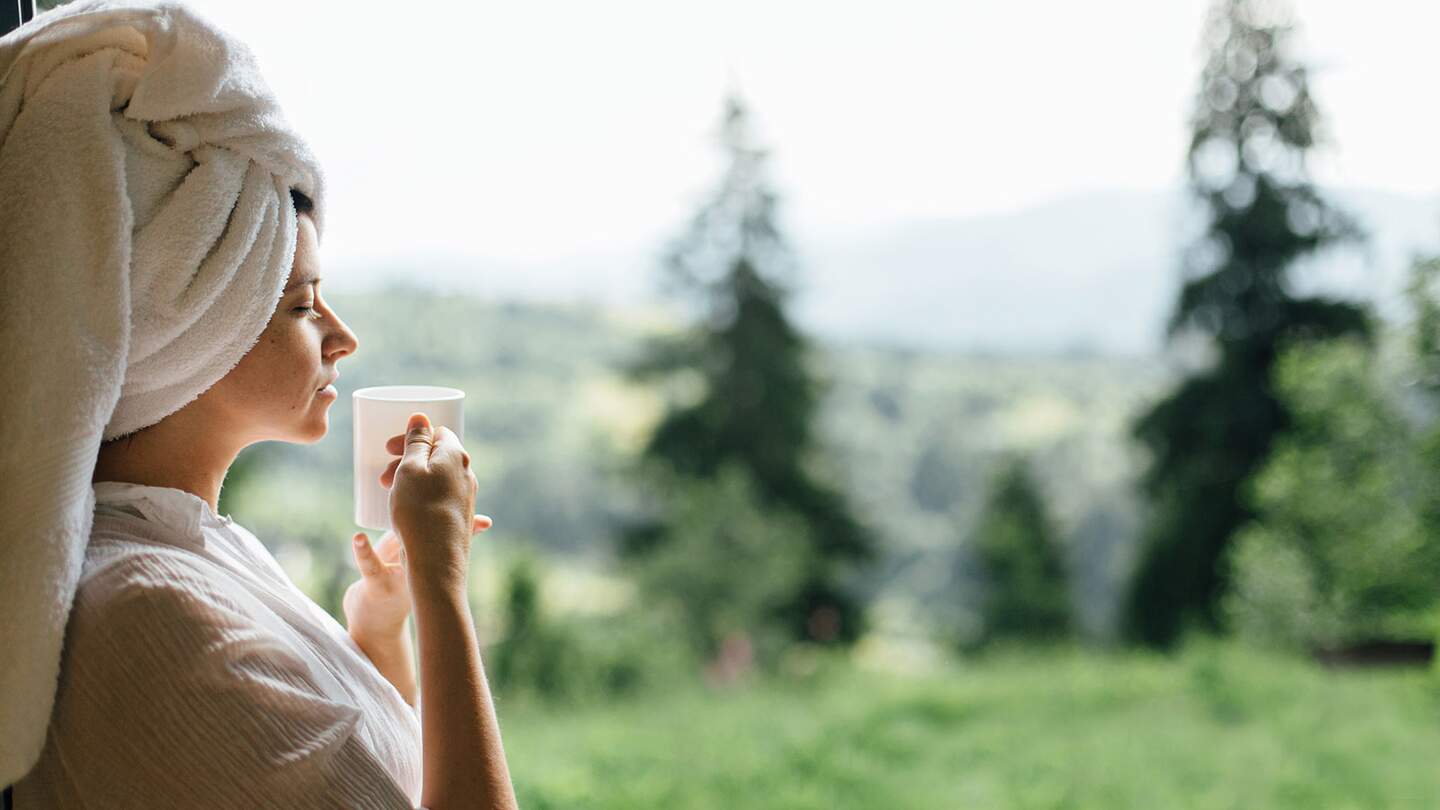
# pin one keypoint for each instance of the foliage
(757, 396)
(728, 567)
(577, 660)
(1344, 547)
(1255, 121)
(1025, 594)
(1424, 299)
(529, 651)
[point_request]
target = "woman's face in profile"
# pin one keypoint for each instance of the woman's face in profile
(274, 393)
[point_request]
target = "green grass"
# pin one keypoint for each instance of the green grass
(1215, 727)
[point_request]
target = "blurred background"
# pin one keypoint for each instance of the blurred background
(1024, 405)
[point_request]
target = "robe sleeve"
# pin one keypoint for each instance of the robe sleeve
(175, 697)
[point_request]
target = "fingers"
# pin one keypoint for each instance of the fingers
(365, 557)
(419, 441)
(448, 443)
(387, 477)
(395, 445)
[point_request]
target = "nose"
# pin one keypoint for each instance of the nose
(343, 341)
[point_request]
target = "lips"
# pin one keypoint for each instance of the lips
(328, 384)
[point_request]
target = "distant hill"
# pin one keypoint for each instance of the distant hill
(1098, 271)
(1095, 272)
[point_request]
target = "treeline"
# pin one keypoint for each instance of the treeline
(1290, 484)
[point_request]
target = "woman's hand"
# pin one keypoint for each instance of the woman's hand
(432, 502)
(377, 604)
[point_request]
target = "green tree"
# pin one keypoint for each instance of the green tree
(1026, 595)
(1254, 124)
(1425, 336)
(1343, 548)
(580, 658)
(757, 398)
(728, 566)
(535, 656)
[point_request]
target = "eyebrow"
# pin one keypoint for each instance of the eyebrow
(298, 284)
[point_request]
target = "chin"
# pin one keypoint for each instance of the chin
(316, 430)
(315, 427)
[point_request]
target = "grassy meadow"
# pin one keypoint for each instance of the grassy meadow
(1215, 727)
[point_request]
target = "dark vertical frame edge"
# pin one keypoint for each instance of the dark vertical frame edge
(13, 14)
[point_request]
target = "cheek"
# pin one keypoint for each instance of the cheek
(277, 364)
(292, 355)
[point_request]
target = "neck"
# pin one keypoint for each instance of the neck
(173, 453)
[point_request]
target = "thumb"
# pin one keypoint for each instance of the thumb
(418, 440)
(365, 558)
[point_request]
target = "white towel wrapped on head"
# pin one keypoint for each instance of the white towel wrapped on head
(146, 234)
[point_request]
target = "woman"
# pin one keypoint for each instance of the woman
(194, 673)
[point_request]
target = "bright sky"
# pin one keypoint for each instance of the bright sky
(537, 130)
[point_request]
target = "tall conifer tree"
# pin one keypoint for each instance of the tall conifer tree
(758, 402)
(1026, 593)
(1254, 123)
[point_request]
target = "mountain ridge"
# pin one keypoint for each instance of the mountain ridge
(1091, 272)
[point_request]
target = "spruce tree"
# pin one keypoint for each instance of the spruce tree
(523, 629)
(1254, 123)
(1025, 592)
(758, 399)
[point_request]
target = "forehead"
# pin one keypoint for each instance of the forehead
(305, 230)
(306, 266)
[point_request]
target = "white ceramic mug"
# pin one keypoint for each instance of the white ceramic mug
(380, 412)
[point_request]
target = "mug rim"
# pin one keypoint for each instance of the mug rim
(408, 393)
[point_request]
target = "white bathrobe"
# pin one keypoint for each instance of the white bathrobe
(196, 674)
